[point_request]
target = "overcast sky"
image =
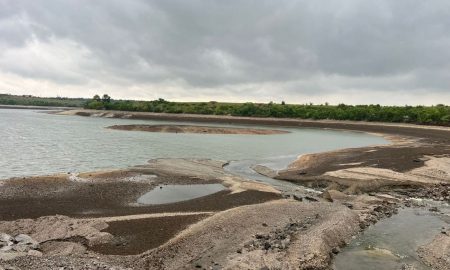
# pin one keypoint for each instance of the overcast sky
(351, 51)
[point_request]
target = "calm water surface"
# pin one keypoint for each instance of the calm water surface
(36, 143)
(176, 193)
(392, 243)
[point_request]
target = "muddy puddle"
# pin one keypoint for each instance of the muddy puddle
(392, 243)
(177, 193)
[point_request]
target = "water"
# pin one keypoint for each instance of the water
(392, 242)
(177, 193)
(35, 143)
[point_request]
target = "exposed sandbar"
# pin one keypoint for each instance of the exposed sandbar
(198, 129)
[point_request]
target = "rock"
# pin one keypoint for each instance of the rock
(349, 205)
(5, 237)
(25, 243)
(433, 209)
(7, 256)
(8, 267)
(21, 248)
(311, 199)
(23, 239)
(99, 238)
(50, 228)
(336, 250)
(408, 267)
(297, 198)
(34, 253)
(334, 195)
(6, 248)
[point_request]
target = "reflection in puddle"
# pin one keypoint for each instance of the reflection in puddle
(392, 242)
(177, 193)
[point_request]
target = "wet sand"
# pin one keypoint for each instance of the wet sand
(102, 196)
(133, 237)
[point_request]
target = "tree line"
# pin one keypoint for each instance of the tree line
(432, 115)
(29, 100)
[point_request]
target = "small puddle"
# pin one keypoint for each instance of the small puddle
(177, 193)
(392, 243)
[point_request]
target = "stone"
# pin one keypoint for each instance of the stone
(7, 256)
(99, 238)
(5, 237)
(34, 253)
(336, 250)
(6, 248)
(23, 238)
(311, 199)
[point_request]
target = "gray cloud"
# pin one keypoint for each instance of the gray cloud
(235, 50)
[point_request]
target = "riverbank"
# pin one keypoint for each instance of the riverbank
(220, 230)
(295, 229)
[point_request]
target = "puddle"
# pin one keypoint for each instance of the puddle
(177, 193)
(392, 242)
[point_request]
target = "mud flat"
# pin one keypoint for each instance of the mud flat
(93, 219)
(197, 129)
(249, 225)
(103, 226)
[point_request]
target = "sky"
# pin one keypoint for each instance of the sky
(337, 51)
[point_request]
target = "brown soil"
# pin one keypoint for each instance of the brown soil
(107, 199)
(198, 129)
(139, 235)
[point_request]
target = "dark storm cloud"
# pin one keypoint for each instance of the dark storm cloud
(242, 49)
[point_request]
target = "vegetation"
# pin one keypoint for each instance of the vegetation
(28, 100)
(433, 115)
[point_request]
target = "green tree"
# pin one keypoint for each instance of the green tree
(106, 98)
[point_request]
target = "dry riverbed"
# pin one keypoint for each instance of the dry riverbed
(93, 221)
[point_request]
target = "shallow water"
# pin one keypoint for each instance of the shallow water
(177, 193)
(34, 143)
(392, 242)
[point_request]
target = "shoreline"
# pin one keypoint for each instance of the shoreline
(233, 236)
(287, 122)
